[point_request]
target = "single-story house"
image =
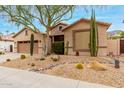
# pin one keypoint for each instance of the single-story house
(6, 43)
(77, 34)
(22, 41)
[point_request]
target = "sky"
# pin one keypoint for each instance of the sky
(112, 14)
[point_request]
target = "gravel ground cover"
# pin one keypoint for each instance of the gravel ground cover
(65, 67)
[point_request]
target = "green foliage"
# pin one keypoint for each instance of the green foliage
(46, 15)
(2, 53)
(58, 47)
(31, 44)
(54, 59)
(116, 37)
(8, 59)
(93, 36)
(32, 64)
(23, 57)
(66, 48)
(79, 66)
(122, 34)
(42, 58)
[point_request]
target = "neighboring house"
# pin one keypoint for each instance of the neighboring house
(6, 43)
(22, 41)
(78, 36)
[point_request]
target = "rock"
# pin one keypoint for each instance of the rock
(55, 58)
(96, 66)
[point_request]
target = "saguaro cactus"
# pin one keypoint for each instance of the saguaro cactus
(31, 44)
(93, 36)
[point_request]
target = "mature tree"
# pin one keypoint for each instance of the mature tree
(121, 34)
(93, 35)
(45, 15)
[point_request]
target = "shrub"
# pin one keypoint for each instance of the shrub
(58, 47)
(55, 58)
(79, 66)
(42, 58)
(28, 64)
(2, 53)
(23, 56)
(32, 64)
(8, 59)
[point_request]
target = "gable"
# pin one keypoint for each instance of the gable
(56, 30)
(25, 34)
(86, 22)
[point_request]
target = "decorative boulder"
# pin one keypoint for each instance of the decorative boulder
(55, 57)
(97, 66)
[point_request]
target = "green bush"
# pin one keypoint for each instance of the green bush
(42, 58)
(8, 59)
(58, 47)
(2, 53)
(23, 56)
(32, 64)
(79, 66)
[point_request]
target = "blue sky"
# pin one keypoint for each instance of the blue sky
(110, 14)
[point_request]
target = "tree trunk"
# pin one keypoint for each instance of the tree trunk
(43, 48)
(47, 42)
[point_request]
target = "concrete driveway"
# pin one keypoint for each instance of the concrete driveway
(14, 78)
(10, 56)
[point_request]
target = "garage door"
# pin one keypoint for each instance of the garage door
(81, 41)
(24, 47)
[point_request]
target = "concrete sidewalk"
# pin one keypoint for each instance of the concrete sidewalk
(14, 78)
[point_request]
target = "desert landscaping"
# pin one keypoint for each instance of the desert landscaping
(78, 68)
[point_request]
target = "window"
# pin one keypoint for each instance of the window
(59, 38)
(26, 33)
(60, 28)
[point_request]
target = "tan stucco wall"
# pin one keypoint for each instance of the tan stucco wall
(113, 46)
(55, 31)
(22, 37)
(68, 36)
